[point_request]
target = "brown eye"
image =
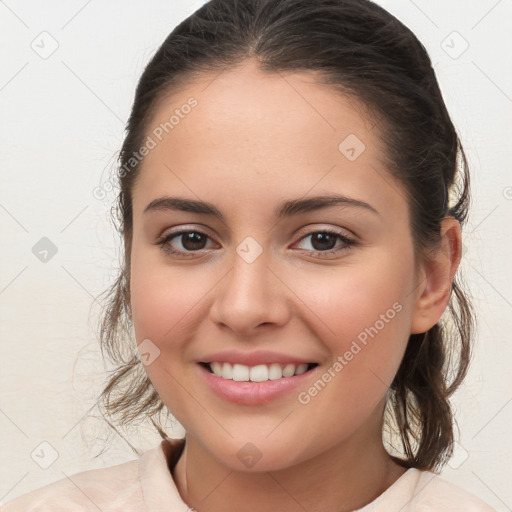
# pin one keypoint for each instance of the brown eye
(325, 243)
(184, 243)
(193, 241)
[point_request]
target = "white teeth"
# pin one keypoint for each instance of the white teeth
(301, 369)
(258, 373)
(288, 370)
(227, 371)
(275, 371)
(240, 372)
(216, 368)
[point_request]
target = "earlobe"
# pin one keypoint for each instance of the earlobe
(436, 277)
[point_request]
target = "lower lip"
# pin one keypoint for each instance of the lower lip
(253, 393)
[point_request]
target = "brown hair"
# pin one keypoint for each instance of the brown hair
(360, 50)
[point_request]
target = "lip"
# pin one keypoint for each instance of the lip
(253, 358)
(253, 393)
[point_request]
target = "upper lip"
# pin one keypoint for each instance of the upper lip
(252, 358)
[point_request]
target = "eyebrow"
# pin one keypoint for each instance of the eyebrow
(286, 209)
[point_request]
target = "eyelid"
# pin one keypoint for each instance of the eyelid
(303, 232)
(181, 230)
(185, 228)
(320, 228)
(348, 241)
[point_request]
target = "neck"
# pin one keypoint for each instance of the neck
(344, 478)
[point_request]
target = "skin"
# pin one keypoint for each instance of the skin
(253, 141)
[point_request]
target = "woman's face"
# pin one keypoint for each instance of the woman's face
(259, 283)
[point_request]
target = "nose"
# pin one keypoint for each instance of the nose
(251, 296)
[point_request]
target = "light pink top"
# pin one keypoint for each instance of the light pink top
(146, 485)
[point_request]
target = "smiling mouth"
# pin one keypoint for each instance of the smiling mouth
(258, 373)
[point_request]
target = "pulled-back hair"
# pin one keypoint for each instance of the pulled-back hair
(362, 51)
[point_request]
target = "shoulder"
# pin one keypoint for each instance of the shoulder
(105, 489)
(425, 491)
(135, 486)
(434, 493)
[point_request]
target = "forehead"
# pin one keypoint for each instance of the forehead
(268, 135)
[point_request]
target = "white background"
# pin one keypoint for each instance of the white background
(62, 124)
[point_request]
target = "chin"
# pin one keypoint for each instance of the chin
(259, 455)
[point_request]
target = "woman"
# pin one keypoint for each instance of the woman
(292, 235)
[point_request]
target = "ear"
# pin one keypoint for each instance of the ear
(435, 277)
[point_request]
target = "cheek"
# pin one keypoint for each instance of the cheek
(156, 305)
(369, 326)
(368, 312)
(159, 311)
(353, 300)
(166, 301)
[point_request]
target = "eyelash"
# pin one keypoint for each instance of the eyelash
(164, 242)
